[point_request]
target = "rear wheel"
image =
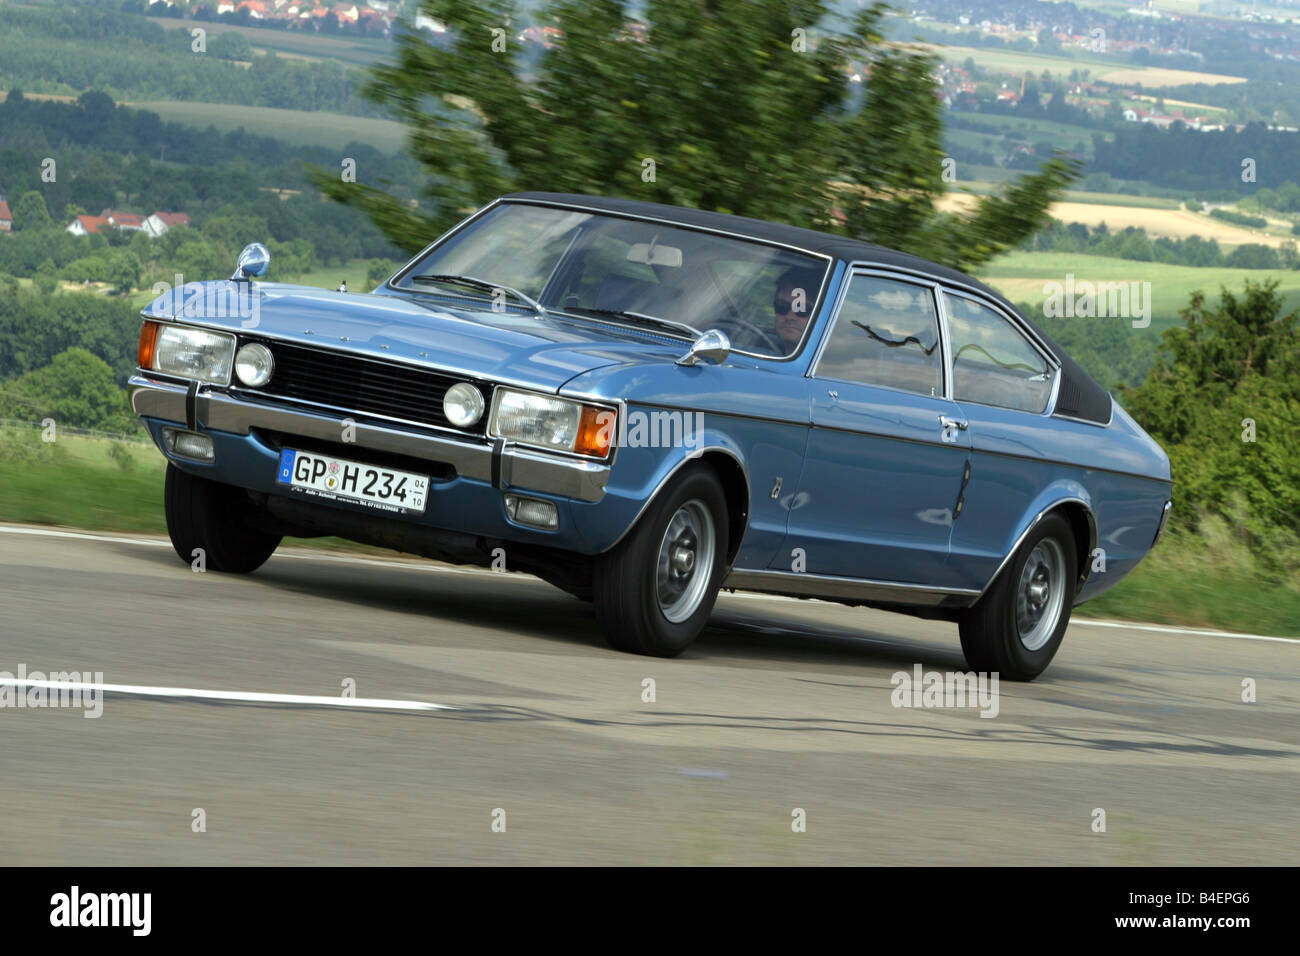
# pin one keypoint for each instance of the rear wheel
(1017, 626)
(206, 516)
(655, 590)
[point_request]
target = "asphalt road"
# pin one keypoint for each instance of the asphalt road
(781, 705)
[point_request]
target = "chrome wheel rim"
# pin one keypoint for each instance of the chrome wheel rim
(685, 561)
(1040, 595)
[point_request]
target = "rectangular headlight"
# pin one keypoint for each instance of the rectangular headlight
(555, 423)
(194, 353)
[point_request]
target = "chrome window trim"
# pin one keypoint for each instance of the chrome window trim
(1016, 326)
(974, 292)
(883, 272)
(819, 302)
(1084, 421)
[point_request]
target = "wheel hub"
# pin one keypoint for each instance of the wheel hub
(683, 557)
(685, 561)
(1040, 597)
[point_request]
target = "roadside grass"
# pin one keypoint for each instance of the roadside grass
(97, 484)
(79, 482)
(1210, 580)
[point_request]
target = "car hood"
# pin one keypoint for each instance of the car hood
(508, 346)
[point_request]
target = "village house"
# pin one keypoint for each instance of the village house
(85, 225)
(125, 221)
(155, 225)
(6, 217)
(160, 222)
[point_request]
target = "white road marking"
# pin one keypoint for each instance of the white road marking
(51, 533)
(191, 693)
(748, 595)
(1191, 631)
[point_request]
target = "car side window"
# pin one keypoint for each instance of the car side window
(992, 362)
(887, 333)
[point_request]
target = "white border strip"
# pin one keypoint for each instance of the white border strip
(1192, 631)
(190, 693)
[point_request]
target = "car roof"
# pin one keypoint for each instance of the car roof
(1082, 396)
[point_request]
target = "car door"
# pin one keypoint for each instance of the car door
(1004, 384)
(886, 455)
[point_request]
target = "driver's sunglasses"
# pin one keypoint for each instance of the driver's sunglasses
(784, 305)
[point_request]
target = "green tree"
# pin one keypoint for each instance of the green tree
(46, 278)
(30, 212)
(124, 270)
(741, 106)
(231, 46)
(76, 389)
(1224, 400)
(379, 270)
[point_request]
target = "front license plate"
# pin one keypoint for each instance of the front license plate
(324, 476)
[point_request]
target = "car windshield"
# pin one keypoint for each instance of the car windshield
(666, 279)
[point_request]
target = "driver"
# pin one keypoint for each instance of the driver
(795, 291)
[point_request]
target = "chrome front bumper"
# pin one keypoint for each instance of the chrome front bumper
(520, 468)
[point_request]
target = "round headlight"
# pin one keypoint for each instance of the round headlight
(463, 405)
(254, 365)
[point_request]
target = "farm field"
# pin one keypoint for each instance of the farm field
(1149, 213)
(1020, 276)
(297, 127)
(1109, 71)
(298, 43)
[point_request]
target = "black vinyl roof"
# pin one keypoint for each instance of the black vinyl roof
(1080, 395)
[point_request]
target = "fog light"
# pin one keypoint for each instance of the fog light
(254, 365)
(532, 511)
(463, 404)
(184, 444)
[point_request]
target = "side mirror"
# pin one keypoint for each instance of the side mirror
(712, 345)
(253, 262)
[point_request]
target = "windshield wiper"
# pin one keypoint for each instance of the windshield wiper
(641, 317)
(474, 283)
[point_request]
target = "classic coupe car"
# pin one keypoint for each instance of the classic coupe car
(643, 404)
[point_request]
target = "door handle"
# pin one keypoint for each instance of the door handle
(947, 422)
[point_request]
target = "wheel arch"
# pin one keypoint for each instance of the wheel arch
(1077, 512)
(726, 463)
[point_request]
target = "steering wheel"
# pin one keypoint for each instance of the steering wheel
(772, 345)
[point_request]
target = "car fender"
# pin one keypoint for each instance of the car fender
(641, 474)
(1062, 494)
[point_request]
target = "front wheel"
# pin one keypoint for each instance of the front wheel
(655, 590)
(212, 520)
(1017, 626)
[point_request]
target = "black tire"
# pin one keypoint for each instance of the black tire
(625, 584)
(214, 517)
(991, 631)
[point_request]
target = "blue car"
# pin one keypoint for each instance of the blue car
(643, 404)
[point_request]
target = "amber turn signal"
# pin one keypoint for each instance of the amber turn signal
(596, 431)
(148, 335)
